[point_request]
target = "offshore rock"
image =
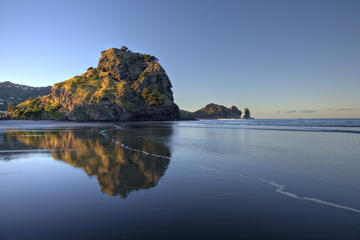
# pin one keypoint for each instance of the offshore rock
(247, 113)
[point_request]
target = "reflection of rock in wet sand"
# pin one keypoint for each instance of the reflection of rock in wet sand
(119, 171)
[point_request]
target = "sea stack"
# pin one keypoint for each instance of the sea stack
(125, 86)
(246, 113)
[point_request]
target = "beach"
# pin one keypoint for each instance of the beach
(208, 179)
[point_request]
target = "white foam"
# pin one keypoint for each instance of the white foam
(103, 132)
(331, 204)
(140, 151)
(281, 188)
(157, 155)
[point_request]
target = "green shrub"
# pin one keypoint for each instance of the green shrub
(152, 96)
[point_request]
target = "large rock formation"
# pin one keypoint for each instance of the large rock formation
(125, 86)
(13, 94)
(214, 111)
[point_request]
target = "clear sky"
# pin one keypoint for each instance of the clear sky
(279, 58)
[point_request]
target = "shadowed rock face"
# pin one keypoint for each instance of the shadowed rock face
(126, 86)
(119, 171)
(247, 113)
(214, 111)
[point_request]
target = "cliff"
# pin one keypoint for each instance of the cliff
(125, 86)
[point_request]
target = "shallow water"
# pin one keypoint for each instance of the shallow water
(219, 179)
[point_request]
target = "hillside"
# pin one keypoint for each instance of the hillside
(11, 93)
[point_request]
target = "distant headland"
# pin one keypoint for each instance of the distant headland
(215, 111)
(13, 94)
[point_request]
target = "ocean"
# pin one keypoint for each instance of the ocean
(207, 179)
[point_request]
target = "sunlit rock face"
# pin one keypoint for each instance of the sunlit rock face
(118, 169)
(125, 86)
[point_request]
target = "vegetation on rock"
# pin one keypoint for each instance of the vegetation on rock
(34, 108)
(213, 111)
(125, 86)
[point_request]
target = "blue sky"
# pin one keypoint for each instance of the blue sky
(279, 58)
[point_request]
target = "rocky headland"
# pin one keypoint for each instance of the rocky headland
(125, 86)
